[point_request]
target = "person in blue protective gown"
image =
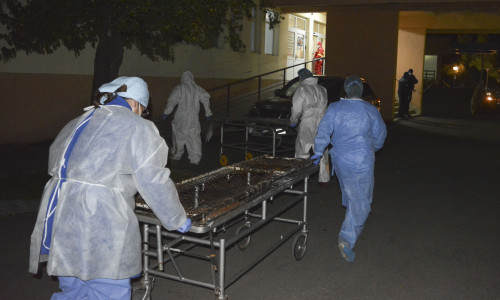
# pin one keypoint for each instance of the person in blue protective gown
(355, 130)
(86, 229)
(309, 104)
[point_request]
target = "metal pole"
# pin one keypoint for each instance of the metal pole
(487, 71)
(222, 258)
(258, 92)
(482, 66)
(306, 181)
(159, 248)
(148, 283)
(228, 99)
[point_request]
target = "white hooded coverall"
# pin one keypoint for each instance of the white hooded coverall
(309, 103)
(95, 232)
(186, 124)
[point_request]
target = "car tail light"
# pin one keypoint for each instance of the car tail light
(489, 97)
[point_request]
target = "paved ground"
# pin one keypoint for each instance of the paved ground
(433, 232)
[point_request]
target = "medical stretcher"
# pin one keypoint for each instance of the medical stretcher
(241, 196)
(261, 136)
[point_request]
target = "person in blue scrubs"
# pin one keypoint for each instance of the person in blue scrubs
(86, 228)
(356, 130)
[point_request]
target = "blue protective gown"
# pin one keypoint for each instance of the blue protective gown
(356, 130)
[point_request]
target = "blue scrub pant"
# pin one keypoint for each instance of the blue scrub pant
(96, 289)
(357, 191)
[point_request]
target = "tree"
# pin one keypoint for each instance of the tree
(479, 52)
(154, 27)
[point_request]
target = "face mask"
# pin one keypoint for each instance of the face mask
(144, 112)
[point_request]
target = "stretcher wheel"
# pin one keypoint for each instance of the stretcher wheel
(248, 156)
(139, 293)
(223, 160)
(243, 244)
(299, 246)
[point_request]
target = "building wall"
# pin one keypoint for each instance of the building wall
(39, 105)
(364, 42)
(46, 91)
(312, 5)
(374, 37)
(413, 27)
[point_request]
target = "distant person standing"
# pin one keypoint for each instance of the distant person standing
(320, 53)
(411, 86)
(186, 130)
(403, 95)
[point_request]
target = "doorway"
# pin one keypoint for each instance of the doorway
(296, 45)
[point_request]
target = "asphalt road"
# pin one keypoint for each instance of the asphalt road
(433, 232)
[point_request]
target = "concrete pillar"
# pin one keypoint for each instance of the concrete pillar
(364, 42)
(411, 47)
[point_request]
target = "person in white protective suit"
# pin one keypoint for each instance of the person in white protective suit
(186, 129)
(309, 104)
(356, 130)
(86, 228)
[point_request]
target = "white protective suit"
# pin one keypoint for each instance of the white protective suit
(186, 124)
(309, 103)
(95, 231)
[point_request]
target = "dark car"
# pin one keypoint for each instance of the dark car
(280, 106)
(491, 99)
(491, 95)
(486, 98)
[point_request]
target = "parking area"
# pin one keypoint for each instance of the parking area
(433, 232)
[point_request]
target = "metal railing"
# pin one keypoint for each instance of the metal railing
(279, 81)
(429, 74)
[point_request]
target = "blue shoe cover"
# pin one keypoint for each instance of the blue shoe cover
(346, 252)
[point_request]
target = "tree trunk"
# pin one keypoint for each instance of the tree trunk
(108, 59)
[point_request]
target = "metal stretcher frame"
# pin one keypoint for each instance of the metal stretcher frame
(254, 213)
(276, 128)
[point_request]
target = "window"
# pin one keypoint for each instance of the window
(319, 34)
(253, 26)
(214, 39)
(271, 39)
(319, 28)
(301, 24)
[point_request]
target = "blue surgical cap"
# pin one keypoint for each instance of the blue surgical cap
(353, 86)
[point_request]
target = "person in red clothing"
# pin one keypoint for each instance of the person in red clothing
(320, 53)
